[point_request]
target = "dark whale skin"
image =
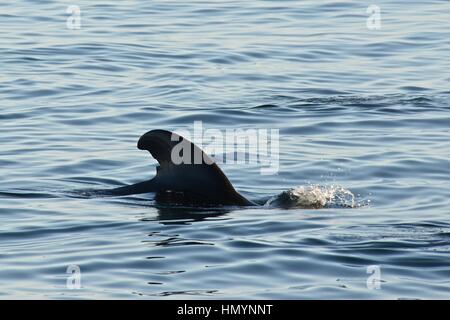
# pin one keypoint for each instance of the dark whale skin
(196, 181)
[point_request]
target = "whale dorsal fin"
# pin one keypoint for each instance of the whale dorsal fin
(185, 168)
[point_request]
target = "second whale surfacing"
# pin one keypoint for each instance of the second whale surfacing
(192, 179)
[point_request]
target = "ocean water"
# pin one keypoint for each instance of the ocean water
(364, 121)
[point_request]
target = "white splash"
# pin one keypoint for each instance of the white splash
(313, 197)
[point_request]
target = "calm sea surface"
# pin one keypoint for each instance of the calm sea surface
(361, 109)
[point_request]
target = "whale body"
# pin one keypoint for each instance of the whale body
(185, 175)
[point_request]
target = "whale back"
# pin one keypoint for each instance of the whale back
(187, 171)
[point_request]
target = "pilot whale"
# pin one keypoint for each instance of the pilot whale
(185, 174)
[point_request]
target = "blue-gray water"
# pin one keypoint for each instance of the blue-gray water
(366, 110)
